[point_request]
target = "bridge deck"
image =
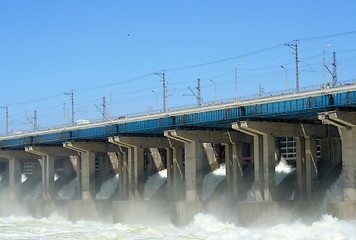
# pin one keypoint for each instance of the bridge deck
(293, 107)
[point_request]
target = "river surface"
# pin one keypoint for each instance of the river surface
(202, 227)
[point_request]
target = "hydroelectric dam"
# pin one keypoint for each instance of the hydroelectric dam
(314, 131)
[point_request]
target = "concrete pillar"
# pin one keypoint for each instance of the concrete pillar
(135, 207)
(15, 171)
(169, 159)
(87, 175)
(348, 138)
(264, 160)
(335, 150)
(306, 149)
(47, 155)
(138, 173)
(301, 168)
(15, 158)
(157, 159)
(119, 160)
(211, 156)
(125, 175)
(77, 164)
(48, 177)
(135, 154)
(234, 169)
(311, 165)
(193, 170)
(178, 174)
(346, 123)
(269, 167)
(86, 151)
(229, 171)
(330, 146)
(258, 166)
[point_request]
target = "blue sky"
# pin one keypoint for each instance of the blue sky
(113, 48)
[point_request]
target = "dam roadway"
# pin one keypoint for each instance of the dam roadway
(248, 136)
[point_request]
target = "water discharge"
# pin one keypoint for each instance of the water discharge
(212, 180)
(204, 226)
(282, 170)
(108, 188)
(154, 183)
(68, 191)
(23, 177)
(35, 193)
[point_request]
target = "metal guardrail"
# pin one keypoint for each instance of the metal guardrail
(286, 108)
(193, 106)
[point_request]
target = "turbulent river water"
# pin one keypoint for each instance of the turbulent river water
(204, 226)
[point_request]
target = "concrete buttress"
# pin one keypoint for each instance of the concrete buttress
(346, 123)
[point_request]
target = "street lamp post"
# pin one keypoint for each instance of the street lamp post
(286, 79)
(236, 79)
(324, 63)
(211, 80)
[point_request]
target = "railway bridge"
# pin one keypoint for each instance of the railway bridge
(314, 130)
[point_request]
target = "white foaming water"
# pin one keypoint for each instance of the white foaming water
(212, 180)
(282, 170)
(1, 177)
(56, 176)
(202, 227)
(68, 191)
(107, 189)
(23, 177)
(154, 183)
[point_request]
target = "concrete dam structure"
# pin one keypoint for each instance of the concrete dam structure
(98, 171)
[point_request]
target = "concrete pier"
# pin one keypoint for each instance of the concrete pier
(346, 123)
(87, 206)
(265, 159)
(183, 211)
(134, 206)
(45, 206)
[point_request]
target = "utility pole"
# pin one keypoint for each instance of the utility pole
(104, 109)
(72, 96)
(324, 63)
(72, 108)
(334, 71)
(103, 112)
(199, 96)
(7, 120)
(163, 76)
(35, 125)
(295, 47)
(260, 91)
